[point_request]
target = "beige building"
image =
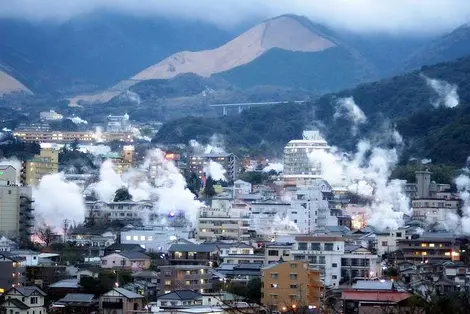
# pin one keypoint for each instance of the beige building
(275, 251)
(197, 278)
(129, 260)
(121, 301)
(289, 286)
(47, 162)
(16, 218)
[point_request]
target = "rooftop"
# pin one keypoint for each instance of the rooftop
(128, 294)
(373, 285)
(380, 296)
(180, 295)
(205, 248)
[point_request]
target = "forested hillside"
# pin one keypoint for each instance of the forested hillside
(441, 134)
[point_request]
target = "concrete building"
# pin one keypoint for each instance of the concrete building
(127, 211)
(117, 124)
(66, 137)
(275, 251)
(239, 253)
(241, 187)
(16, 218)
(50, 116)
(297, 164)
(229, 162)
(288, 286)
(387, 241)
(222, 222)
(358, 261)
(47, 162)
(24, 300)
(197, 278)
(431, 247)
(435, 210)
(323, 253)
(206, 254)
(156, 239)
(9, 271)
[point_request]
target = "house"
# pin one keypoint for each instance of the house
(78, 303)
(121, 301)
(180, 298)
(61, 288)
(27, 257)
(358, 261)
(44, 276)
(128, 259)
(24, 300)
(274, 251)
(238, 253)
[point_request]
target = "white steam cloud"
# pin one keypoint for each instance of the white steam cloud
(367, 173)
(347, 108)
(359, 15)
(95, 149)
(56, 200)
(447, 95)
(78, 120)
(215, 170)
(215, 146)
(276, 166)
(131, 97)
(456, 223)
(157, 180)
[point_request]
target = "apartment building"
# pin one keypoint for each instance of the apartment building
(127, 211)
(229, 162)
(435, 209)
(239, 253)
(431, 247)
(193, 254)
(358, 261)
(47, 162)
(197, 278)
(222, 222)
(276, 251)
(323, 253)
(9, 271)
(387, 241)
(290, 286)
(297, 164)
(16, 219)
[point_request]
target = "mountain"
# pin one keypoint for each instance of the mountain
(451, 46)
(94, 51)
(9, 84)
(285, 51)
(406, 101)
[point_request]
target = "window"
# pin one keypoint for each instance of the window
(34, 300)
(384, 243)
(321, 260)
(302, 246)
(293, 276)
(334, 277)
(274, 285)
(315, 246)
(163, 303)
(273, 252)
(274, 276)
(334, 265)
(293, 265)
(168, 282)
(398, 234)
(328, 246)
(293, 286)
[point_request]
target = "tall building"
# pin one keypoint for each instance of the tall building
(290, 286)
(117, 124)
(297, 163)
(16, 218)
(9, 271)
(229, 162)
(47, 162)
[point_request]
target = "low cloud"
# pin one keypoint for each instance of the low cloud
(359, 15)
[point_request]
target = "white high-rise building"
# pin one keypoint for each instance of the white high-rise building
(297, 164)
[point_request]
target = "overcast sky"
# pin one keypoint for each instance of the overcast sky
(396, 16)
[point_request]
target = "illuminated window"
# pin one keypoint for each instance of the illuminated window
(424, 244)
(431, 244)
(424, 253)
(128, 238)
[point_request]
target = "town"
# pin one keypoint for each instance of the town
(284, 240)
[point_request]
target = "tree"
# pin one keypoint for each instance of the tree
(46, 235)
(194, 183)
(209, 190)
(122, 195)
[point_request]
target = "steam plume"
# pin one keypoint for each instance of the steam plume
(78, 120)
(347, 108)
(446, 93)
(215, 170)
(276, 166)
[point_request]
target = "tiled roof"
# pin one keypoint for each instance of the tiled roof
(381, 296)
(78, 298)
(180, 295)
(128, 294)
(29, 290)
(206, 248)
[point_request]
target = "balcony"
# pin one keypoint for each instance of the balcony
(196, 276)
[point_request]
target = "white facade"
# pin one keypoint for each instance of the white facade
(386, 242)
(223, 221)
(297, 164)
(241, 187)
(360, 262)
(323, 253)
(29, 258)
(124, 211)
(50, 116)
(157, 239)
